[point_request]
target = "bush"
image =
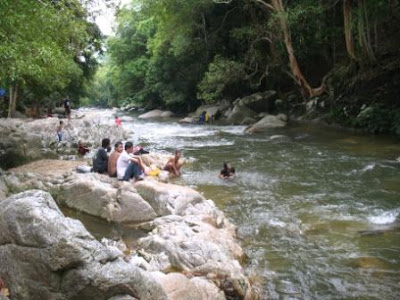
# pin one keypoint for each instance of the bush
(376, 119)
(223, 74)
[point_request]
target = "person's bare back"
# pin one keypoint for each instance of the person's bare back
(173, 166)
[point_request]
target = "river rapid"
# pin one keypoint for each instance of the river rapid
(317, 210)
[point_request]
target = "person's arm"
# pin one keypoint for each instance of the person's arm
(137, 160)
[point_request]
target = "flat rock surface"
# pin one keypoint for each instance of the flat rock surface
(49, 166)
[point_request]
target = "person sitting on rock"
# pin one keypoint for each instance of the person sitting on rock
(112, 160)
(100, 160)
(129, 166)
(227, 172)
(82, 150)
(173, 166)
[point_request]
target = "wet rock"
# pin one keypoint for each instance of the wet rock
(266, 123)
(156, 113)
(47, 256)
(279, 137)
(188, 120)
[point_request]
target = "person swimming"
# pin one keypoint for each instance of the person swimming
(227, 172)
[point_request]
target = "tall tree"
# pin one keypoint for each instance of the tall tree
(278, 8)
(40, 41)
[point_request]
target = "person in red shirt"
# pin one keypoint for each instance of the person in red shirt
(118, 121)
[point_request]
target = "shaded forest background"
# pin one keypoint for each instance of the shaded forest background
(341, 56)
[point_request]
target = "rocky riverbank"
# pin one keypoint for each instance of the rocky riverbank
(190, 250)
(260, 111)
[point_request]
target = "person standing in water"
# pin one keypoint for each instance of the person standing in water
(227, 172)
(118, 121)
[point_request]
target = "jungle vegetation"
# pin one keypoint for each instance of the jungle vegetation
(178, 54)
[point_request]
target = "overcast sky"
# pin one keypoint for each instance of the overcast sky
(106, 19)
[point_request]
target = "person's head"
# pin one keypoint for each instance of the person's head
(116, 117)
(227, 166)
(129, 147)
(178, 154)
(118, 146)
(105, 143)
(61, 122)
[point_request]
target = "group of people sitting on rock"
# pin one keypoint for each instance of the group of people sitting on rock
(125, 162)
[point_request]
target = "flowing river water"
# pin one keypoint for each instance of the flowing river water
(317, 210)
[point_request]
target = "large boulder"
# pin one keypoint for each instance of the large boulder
(259, 102)
(178, 286)
(238, 114)
(212, 110)
(268, 122)
(195, 246)
(104, 197)
(156, 113)
(44, 255)
(167, 199)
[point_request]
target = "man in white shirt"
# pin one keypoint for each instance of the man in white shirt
(129, 166)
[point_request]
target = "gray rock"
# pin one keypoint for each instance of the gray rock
(239, 113)
(167, 114)
(266, 123)
(248, 121)
(212, 110)
(197, 247)
(47, 256)
(187, 120)
(167, 199)
(97, 195)
(264, 101)
(155, 113)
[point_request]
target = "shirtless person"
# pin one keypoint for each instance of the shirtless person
(173, 166)
(112, 160)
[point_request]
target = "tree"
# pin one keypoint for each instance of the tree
(40, 41)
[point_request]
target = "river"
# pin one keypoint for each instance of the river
(317, 210)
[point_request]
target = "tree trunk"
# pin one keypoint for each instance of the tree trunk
(363, 31)
(13, 100)
(347, 18)
(294, 66)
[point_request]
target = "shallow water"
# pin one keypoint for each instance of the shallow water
(317, 210)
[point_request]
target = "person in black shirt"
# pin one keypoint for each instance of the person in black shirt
(67, 107)
(227, 172)
(100, 160)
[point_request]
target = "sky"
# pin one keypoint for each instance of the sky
(106, 18)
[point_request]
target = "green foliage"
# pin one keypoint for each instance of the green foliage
(222, 76)
(46, 46)
(377, 119)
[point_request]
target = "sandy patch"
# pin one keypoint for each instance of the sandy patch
(49, 166)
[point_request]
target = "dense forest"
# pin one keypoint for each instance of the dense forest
(340, 57)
